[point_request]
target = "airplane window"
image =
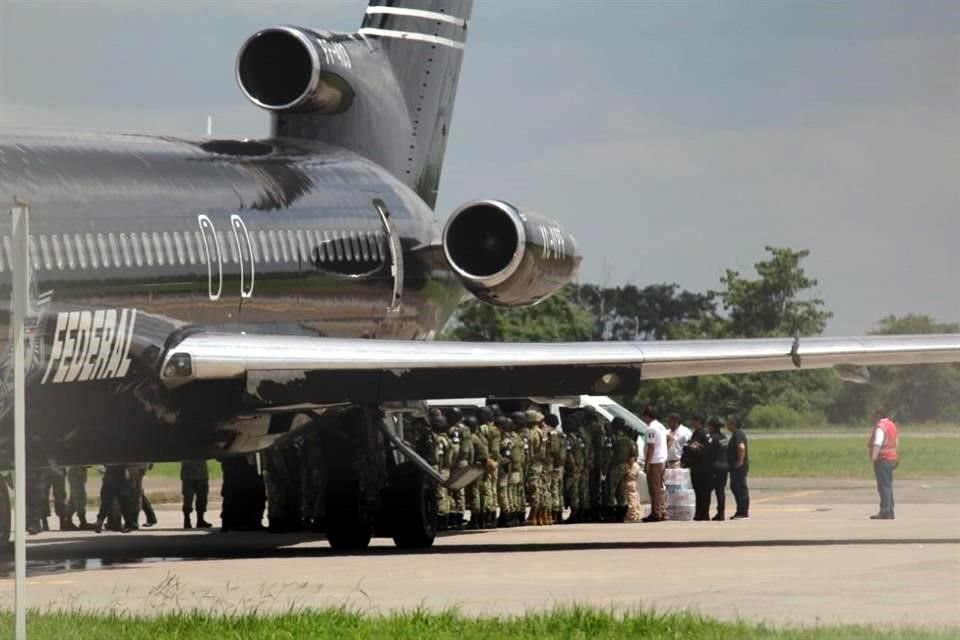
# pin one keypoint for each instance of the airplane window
(81, 250)
(91, 252)
(125, 247)
(284, 250)
(137, 253)
(168, 249)
(264, 246)
(32, 252)
(68, 252)
(188, 241)
(115, 250)
(275, 250)
(198, 237)
(57, 251)
(45, 253)
(181, 256)
(104, 253)
(254, 247)
(302, 245)
(157, 248)
(145, 247)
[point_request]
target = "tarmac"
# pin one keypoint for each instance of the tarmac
(808, 555)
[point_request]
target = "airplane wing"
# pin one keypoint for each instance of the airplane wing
(291, 370)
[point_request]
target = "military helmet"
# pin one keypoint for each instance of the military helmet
(484, 414)
(503, 422)
(552, 419)
(471, 422)
(438, 423)
(533, 416)
(519, 418)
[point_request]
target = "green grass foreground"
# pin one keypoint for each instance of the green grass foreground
(847, 457)
(338, 623)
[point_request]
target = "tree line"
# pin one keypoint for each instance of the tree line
(777, 300)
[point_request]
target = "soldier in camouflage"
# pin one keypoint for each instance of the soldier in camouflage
(537, 452)
(504, 491)
(77, 500)
(586, 504)
(490, 481)
(443, 454)
(558, 453)
(624, 448)
(476, 499)
(518, 468)
(573, 464)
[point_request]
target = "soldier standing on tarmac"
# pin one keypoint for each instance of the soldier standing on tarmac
(77, 500)
(504, 470)
(572, 468)
(443, 455)
(462, 458)
(537, 459)
(557, 452)
(606, 456)
(476, 498)
(518, 467)
(194, 485)
(490, 481)
(586, 507)
(596, 448)
(624, 448)
(55, 480)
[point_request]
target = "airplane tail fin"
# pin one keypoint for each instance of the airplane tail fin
(385, 92)
(424, 42)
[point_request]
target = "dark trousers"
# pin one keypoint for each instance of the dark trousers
(195, 489)
(738, 486)
(720, 490)
(883, 469)
(702, 486)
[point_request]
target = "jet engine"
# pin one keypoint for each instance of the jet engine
(293, 69)
(507, 257)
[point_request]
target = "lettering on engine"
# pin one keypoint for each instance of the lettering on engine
(91, 345)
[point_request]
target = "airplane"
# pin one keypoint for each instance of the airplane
(200, 298)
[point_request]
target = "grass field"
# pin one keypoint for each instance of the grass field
(810, 456)
(846, 457)
(567, 623)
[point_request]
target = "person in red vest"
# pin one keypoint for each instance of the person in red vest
(883, 453)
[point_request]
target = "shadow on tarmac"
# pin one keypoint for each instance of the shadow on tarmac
(79, 553)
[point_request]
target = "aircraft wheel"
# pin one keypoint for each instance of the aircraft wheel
(413, 508)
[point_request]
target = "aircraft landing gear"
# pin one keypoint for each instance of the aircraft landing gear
(411, 507)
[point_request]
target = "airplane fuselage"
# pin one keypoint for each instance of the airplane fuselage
(136, 239)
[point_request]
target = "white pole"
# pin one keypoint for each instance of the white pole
(20, 275)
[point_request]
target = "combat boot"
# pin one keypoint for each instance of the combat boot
(66, 524)
(532, 519)
(186, 521)
(44, 525)
(502, 520)
(491, 519)
(201, 523)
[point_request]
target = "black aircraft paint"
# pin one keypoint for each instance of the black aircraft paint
(137, 241)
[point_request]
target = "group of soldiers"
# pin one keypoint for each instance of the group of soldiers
(528, 462)
(121, 499)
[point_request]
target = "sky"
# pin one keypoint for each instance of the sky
(673, 139)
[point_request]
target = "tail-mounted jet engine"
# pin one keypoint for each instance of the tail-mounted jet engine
(507, 257)
(293, 69)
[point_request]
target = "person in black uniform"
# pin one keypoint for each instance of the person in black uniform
(194, 485)
(738, 460)
(113, 495)
(701, 472)
(716, 454)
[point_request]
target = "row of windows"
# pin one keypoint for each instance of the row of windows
(94, 251)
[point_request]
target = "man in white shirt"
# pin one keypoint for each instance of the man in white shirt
(656, 458)
(677, 438)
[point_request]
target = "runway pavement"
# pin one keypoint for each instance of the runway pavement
(808, 555)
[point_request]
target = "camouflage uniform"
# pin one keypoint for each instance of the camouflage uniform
(194, 486)
(462, 457)
(606, 455)
(536, 494)
(504, 469)
(281, 478)
(557, 454)
(489, 483)
(477, 496)
(573, 466)
(586, 471)
(518, 499)
(624, 447)
(55, 480)
(443, 454)
(596, 439)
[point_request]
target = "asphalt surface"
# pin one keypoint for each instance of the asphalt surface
(808, 555)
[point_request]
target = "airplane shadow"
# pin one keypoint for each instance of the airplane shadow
(112, 550)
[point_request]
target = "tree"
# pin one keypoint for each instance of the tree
(556, 319)
(655, 312)
(773, 305)
(915, 393)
